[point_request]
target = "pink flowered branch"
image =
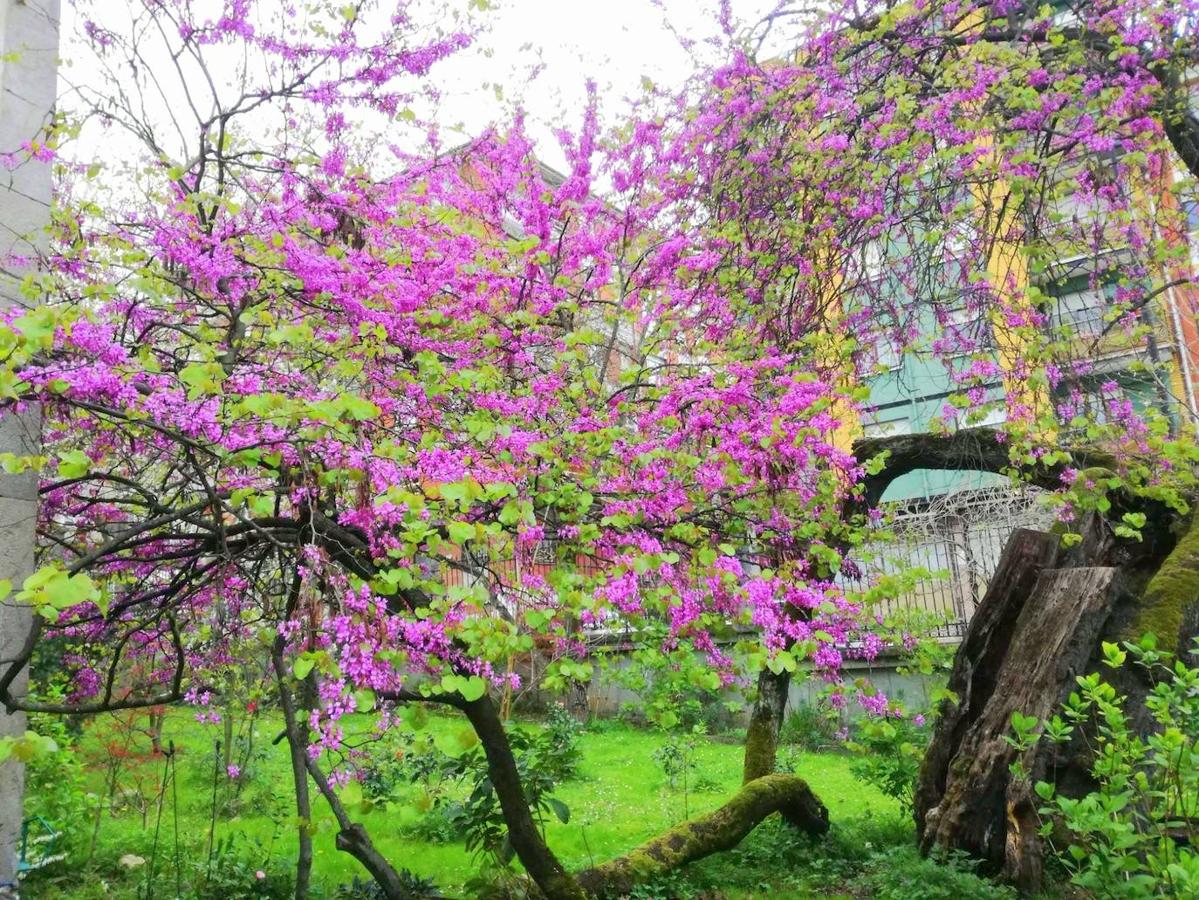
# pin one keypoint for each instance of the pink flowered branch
(285, 391)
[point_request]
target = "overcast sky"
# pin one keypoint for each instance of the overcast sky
(617, 43)
(540, 53)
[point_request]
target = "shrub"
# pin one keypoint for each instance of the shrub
(415, 888)
(901, 873)
(1137, 835)
(557, 747)
(477, 818)
(890, 752)
(56, 786)
(810, 726)
(240, 871)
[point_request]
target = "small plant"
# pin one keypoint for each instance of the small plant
(668, 886)
(415, 888)
(558, 745)
(1137, 835)
(810, 726)
(477, 818)
(56, 784)
(239, 871)
(676, 759)
(890, 752)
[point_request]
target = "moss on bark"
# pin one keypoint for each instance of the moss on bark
(762, 736)
(1170, 598)
(704, 835)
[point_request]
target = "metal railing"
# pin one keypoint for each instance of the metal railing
(958, 538)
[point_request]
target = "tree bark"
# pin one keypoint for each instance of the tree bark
(766, 719)
(979, 658)
(297, 745)
(539, 861)
(704, 835)
(1052, 643)
(29, 42)
(1043, 622)
(980, 449)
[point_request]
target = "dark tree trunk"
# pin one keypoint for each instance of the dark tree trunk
(765, 721)
(704, 835)
(297, 745)
(576, 701)
(1042, 623)
(539, 861)
(978, 660)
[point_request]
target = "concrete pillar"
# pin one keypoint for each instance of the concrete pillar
(28, 88)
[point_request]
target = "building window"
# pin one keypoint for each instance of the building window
(1081, 309)
(989, 418)
(883, 351)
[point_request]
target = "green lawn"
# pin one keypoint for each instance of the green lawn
(620, 799)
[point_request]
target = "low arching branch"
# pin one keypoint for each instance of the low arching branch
(721, 829)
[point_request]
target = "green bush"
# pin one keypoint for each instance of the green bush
(415, 887)
(901, 873)
(557, 747)
(56, 788)
(242, 871)
(1137, 835)
(890, 753)
(810, 726)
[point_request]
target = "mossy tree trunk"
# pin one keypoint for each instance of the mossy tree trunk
(704, 835)
(1047, 612)
(765, 722)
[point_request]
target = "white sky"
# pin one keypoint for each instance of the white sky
(616, 43)
(539, 52)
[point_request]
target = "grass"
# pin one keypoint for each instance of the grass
(620, 798)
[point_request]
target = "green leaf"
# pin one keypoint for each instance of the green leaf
(461, 532)
(302, 666)
(50, 588)
(783, 661)
(560, 809)
(73, 464)
(510, 514)
(472, 688)
(360, 409)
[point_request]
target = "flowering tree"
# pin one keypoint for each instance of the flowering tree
(1042, 145)
(294, 383)
(310, 393)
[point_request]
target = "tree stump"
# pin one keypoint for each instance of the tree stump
(1042, 623)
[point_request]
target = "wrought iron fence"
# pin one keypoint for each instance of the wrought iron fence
(957, 538)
